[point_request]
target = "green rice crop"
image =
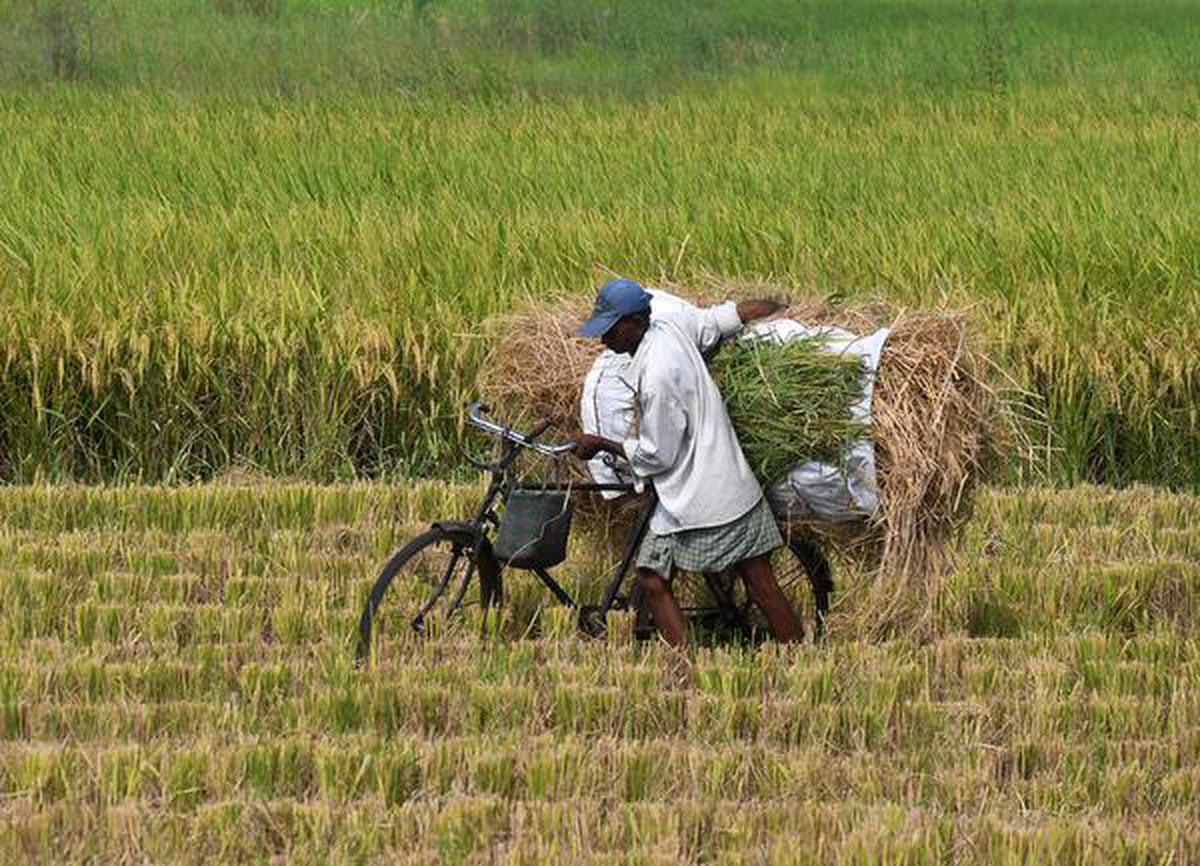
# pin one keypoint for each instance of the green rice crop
(177, 685)
(262, 235)
(789, 402)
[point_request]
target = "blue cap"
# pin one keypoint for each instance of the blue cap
(617, 298)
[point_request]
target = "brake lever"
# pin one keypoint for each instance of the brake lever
(479, 464)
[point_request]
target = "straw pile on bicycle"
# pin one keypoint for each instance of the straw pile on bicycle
(868, 428)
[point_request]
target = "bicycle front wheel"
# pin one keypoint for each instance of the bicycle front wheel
(440, 573)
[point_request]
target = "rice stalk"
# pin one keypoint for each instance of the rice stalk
(789, 403)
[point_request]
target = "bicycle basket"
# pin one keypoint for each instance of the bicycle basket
(534, 529)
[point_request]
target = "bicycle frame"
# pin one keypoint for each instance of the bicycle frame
(501, 484)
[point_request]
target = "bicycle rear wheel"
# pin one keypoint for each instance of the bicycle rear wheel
(718, 605)
(445, 570)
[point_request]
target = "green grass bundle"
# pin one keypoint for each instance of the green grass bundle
(789, 402)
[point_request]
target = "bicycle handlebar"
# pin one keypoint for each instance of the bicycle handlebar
(475, 413)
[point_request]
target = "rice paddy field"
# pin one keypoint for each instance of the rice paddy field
(264, 232)
(246, 247)
(177, 686)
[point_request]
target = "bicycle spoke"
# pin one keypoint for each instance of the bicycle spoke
(462, 588)
(419, 620)
(731, 614)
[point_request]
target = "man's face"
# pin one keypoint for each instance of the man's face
(626, 335)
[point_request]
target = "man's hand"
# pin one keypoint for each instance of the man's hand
(588, 446)
(748, 311)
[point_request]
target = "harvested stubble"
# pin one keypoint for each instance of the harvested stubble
(936, 426)
(176, 677)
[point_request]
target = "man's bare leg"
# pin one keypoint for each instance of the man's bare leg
(765, 592)
(668, 618)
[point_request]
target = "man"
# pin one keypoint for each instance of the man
(607, 405)
(711, 513)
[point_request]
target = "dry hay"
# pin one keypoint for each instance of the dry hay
(537, 366)
(936, 426)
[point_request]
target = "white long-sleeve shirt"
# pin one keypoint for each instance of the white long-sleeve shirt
(685, 443)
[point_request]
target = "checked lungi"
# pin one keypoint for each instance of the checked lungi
(714, 548)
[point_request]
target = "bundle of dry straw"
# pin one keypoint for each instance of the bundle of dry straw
(936, 425)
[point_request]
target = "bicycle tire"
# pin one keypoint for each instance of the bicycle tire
(449, 591)
(807, 566)
(719, 604)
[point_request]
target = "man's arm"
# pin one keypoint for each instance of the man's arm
(708, 326)
(588, 446)
(656, 447)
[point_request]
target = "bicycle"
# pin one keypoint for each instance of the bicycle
(460, 566)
